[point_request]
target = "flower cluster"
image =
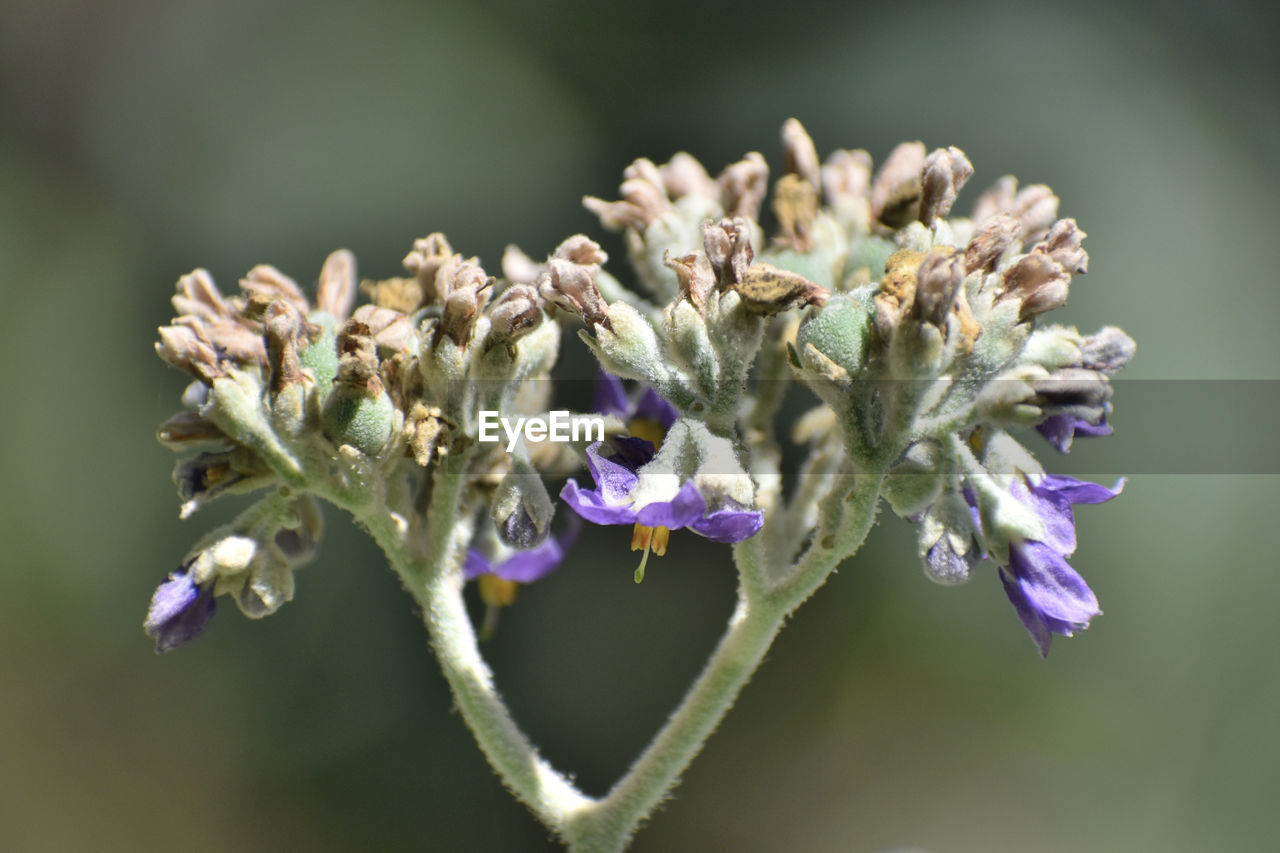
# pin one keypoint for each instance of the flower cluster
(919, 329)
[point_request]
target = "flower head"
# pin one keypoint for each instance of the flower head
(1049, 596)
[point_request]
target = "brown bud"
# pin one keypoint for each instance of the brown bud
(766, 289)
(895, 193)
(937, 280)
(336, 290)
(572, 287)
(695, 276)
(392, 331)
(266, 284)
(428, 255)
(1039, 282)
(283, 327)
(581, 249)
(397, 294)
(801, 155)
(1036, 207)
(1073, 391)
(188, 428)
(519, 268)
(198, 296)
(846, 174)
(795, 204)
(467, 290)
(995, 200)
(989, 243)
(644, 199)
(743, 186)
(516, 313)
(945, 172)
(683, 175)
(428, 433)
(1063, 244)
(358, 359)
(183, 348)
(728, 247)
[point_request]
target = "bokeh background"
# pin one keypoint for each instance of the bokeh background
(141, 139)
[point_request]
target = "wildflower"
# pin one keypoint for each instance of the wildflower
(1049, 596)
(499, 577)
(635, 485)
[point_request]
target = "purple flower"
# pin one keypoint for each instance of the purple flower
(611, 399)
(1049, 596)
(180, 611)
(523, 566)
(616, 477)
(1059, 430)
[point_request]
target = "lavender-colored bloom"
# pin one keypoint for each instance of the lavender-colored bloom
(1059, 430)
(1049, 596)
(523, 566)
(610, 502)
(611, 399)
(180, 611)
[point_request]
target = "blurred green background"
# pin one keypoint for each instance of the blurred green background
(141, 139)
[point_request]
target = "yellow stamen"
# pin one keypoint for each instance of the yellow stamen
(496, 592)
(651, 431)
(641, 536)
(660, 537)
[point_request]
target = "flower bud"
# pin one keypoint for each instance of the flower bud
(358, 412)
(728, 247)
(1107, 350)
(743, 186)
(895, 193)
(516, 313)
(572, 287)
(521, 508)
(841, 331)
(945, 172)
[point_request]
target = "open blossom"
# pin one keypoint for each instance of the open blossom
(1049, 596)
(616, 475)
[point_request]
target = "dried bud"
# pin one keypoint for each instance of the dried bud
(937, 280)
(183, 348)
(572, 287)
(945, 172)
(1107, 351)
(1036, 207)
(358, 412)
(392, 331)
(743, 186)
(895, 193)
(464, 289)
(695, 276)
(1075, 392)
(728, 247)
(427, 431)
(581, 249)
(357, 357)
(267, 284)
(897, 289)
(1062, 243)
(644, 199)
(429, 254)
(516, 313)
(187, 429)
(519, 268)
(801, 155)
(684, 176)
(336, 291)
(198, 297)
(283, 328)
(846, 174)
(396, 294)
(766, 289)
(795, 204)
(1039, 282)
(989, 243)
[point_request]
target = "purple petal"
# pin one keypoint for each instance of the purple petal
(1053, 509)
(1027, 614)
(1059, 430)
(730, 525)
(179, 612)
(631, 452)
(475, 565)
(1052, 588)
(528, 566)
(682, 510)
(651, 407)
(592, 506)
(614, 481)
(1079, 491)
(610, 396)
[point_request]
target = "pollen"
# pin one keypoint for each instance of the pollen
(651, 431)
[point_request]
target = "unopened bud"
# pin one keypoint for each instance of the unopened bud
(743, 186)
(572, 287)
(515, 314)
(336, 290)
(728, 247)
(1107, 350)
(944, 173)
(1063, 244)
(937, 280)
(989, 243)
(895, 193)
